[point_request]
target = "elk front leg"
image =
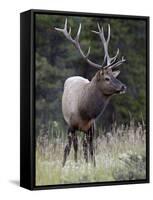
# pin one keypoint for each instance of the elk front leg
(85, 147)
(68, 146)
(91, 144)
(75, 146)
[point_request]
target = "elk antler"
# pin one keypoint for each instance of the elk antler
(110, 62)
(75, 42)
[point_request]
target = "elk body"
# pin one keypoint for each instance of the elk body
(83, 100)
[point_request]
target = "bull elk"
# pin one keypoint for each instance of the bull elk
(83, 100)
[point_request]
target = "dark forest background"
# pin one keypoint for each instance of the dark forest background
(57, 59)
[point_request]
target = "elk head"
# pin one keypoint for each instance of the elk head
(106, 77)
(107, 82)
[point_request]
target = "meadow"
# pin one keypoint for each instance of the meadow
(120, 155)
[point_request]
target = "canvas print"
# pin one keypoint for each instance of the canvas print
(90, 99)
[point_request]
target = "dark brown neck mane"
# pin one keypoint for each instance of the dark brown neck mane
(93, 101)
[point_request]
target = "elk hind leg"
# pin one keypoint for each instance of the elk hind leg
(68, 146)
(91, 144)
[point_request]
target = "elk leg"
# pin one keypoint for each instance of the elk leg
(75, 146)
(91, 145)
(67, 147)
(85, 147)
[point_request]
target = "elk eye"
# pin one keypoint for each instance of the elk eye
(107, 79)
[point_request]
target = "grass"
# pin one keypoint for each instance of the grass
(120, 155)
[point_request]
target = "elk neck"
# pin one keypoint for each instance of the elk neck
(93, 102)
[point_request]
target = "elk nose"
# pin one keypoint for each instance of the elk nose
(123, 88)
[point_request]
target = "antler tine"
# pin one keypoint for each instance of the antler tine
(108, 37)
(99, 28)
(88, 52)
(104, 43)
(118, 63)
(65, 26)
(69, 30)
(113, 59)
(110, 61)
(75, 42)
(64, 31)
(78, 33)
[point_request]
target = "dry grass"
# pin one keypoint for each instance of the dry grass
(112, 152)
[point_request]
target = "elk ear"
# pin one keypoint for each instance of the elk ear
(99, 74)
(116, 73)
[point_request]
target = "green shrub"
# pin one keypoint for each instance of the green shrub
(132, 167)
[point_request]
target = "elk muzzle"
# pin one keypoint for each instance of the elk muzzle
(122, 89)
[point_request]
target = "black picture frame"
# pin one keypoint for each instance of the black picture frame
(27, 99)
